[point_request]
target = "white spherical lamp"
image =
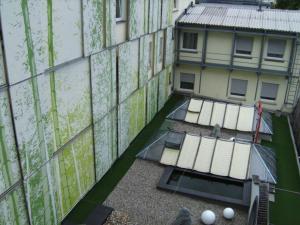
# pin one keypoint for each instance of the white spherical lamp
(208, 217)
(228, 213)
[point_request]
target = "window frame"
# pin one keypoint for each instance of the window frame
(238, 94)
(184, 88)
(189, 49)
(122, 11)
(266, 98)
(273, 57)
(243, 53)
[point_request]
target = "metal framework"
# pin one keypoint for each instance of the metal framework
(205, 29)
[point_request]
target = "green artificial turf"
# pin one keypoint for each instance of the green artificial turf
(106, 185)
(286, 208)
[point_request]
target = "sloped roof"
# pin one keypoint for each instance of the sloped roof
(229, 158)
(227, 115)
(248, 17)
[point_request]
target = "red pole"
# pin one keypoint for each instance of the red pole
(258, 124)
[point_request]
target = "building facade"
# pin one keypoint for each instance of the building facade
(78, 81)
(242, 55)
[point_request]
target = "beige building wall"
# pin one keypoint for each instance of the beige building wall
(216, 84)
(253, 60)
(219, 47)
(280, 65)
(188, 54)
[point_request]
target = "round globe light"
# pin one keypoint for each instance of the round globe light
(208, 217)
(228, 213)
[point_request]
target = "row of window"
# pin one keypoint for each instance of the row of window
(238, 87)
(243, 45)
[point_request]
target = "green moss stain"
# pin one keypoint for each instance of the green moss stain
(52, 75)
(8, 181)
(49, 213)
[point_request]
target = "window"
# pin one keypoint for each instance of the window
(161, 49)
(243, 45)
(150, 56)
(175, 4)
(238, 87)
(269, 91)
(190, 40)
(187, 81)
(120, 10)
(276, 48)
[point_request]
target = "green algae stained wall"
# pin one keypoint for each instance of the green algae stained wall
(167, 13)
(12, 208)
(128, 69)
(110, 23)
(145, 59)
(169, 54)
(2, 71)
(132, 118)
(104, 85)
(48, 33)
(163, 87)
(93, 25)
(152, 94)
(158, 59)
(138, 20)
(9, 166)
(48, 114)
(73, 115)
(154, 15)
(56, 187)
(105, 135)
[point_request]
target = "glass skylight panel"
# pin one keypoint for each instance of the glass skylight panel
(240, 161)
(188, 151)
(205, 115)
(231, 117)
(222, 158)
(205, 154)
(218, 114)
(169, 156)
(245, 121)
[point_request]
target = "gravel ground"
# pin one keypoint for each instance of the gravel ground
(119, 218)
(137, 196)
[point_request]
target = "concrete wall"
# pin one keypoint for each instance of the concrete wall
(76, 88)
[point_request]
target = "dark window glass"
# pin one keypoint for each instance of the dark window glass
(269, 91)
(243, 45)
(238, 87)
(187, 81)
(190, 40)
(276, 48)
(118, 9)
